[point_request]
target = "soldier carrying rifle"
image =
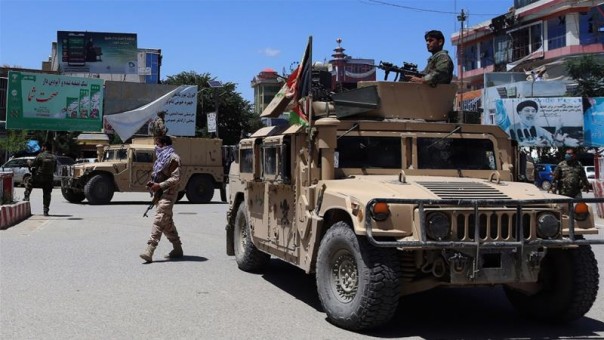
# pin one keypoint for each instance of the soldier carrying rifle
(164, 185)
(42, 172)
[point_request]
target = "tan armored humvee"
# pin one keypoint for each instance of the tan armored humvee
(127, 168)
(386, 199)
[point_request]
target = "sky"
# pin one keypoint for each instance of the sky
(233, 40)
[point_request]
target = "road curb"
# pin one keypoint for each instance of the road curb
(11, 214)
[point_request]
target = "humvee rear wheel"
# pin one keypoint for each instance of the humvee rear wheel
(200, 189)
(248, 257)
(568, 286)
(72, 196)
(99, 190)
(358, 284)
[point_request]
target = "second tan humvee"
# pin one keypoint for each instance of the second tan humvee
(127, 168)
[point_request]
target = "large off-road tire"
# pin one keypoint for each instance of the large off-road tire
(248, 257)
(180, 195)
(568, 287)
(200, 189)
(546, 185)
(358, 284)
(72, 196)
(99, 190)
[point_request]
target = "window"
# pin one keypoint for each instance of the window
(591, 26)
(247, 160)
(369, 152)
(556, 32)
(143, 157)
(503, 49)
(486, 53)
(455, 153)
(269, 162)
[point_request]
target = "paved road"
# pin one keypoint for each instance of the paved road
(77, 275)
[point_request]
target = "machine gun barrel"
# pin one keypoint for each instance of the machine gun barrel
(402, 72)
(156, 197)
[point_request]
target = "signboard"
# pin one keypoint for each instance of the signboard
(94, 52)
(37, 101)
(594, 122)
(541, 122)
(181, 112)
(211, 121)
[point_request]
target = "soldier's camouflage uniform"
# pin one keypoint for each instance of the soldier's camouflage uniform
(43, 169)
(439, 69)
(164, 222)
(570, 178)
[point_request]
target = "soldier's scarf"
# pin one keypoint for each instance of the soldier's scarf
(163, 158)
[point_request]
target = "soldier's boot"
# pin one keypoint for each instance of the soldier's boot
(148, 254)
(176, 252)
(26, 196)
(46, 211)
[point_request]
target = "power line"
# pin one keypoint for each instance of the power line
(423, 9)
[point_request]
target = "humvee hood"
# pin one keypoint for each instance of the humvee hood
(366, 188)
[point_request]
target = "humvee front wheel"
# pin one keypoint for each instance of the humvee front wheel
(99, 190)
(200, 189)
(358, 284)
(248, 257)
(568, 286)
(72, 196)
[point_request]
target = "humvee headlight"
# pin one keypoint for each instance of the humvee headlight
(581, 211)
(548, 226)
(438, 226)
(380, 211)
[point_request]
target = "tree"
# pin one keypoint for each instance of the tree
(588, 72)
(235, 115)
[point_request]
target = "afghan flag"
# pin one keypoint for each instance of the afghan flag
(299, 83)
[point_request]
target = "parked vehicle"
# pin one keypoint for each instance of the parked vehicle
(544, 175)
(590, 172)
(128, 167)
(20, 168)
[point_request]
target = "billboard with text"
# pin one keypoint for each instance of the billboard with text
(95, 52)
(37, 101)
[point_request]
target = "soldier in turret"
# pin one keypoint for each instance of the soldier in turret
(43, 169)
(439, 69)
(157, 128)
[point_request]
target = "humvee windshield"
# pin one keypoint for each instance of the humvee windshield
(115, 154)
(433, 153)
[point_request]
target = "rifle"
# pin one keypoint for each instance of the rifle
(406, 71)
(157, 195)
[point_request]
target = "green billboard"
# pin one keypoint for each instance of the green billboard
(38, 101)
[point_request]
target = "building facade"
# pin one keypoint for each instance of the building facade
(532, 34)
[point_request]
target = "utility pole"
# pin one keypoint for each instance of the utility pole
(462, 18)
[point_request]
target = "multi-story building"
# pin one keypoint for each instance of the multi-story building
(348, 71)
(266, 84)
(532, 34)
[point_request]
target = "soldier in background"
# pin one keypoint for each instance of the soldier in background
(157, 128)
(569, 176)
(439, 69)
(43, 169)
(164, 183)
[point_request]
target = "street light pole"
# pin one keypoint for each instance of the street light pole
(462, 18)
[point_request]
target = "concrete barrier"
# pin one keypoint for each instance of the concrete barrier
(11, 214)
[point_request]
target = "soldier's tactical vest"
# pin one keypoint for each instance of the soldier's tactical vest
(47, 168)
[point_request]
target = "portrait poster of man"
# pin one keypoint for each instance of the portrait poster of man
(542, 122)
(594, 122)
